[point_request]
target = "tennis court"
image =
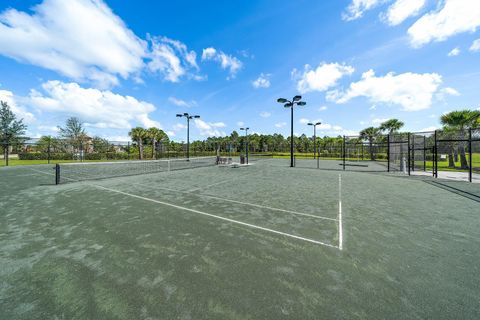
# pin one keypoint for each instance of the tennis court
(263, 241)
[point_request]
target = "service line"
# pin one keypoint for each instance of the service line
(340, 226)
(218, 217)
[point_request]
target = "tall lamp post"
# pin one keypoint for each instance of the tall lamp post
(246, 141)
(314, 136)
(291, 104)
(189, 117)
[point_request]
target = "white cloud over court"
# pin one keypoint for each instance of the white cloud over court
(227, 62)
(97, 108)
(410, 91)
(325, 76)
(80, 39)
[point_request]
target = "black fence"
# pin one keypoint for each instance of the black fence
(35, 151)
(453, 154)
(442, 153)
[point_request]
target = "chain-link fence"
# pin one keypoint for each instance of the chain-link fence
(443, 153)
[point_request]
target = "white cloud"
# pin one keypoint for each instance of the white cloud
(412, 91)
(209, 53)
(280, 124)
(182, 103)
(357, 7)
(171, 58)
(240, 123)
(454, 52)
(226, 61)
(334, 130)
(265, 114)
(456, 16)
(48, 129)
(307, 121)
(80, 39)
(304, 121)
(210, 129)
(451, 91)
(322, 108)
(475, 47)
(325, 76)
(20, 113)
(427, 129)
(263, 81)
(179, 126)
(441, 94)
(99, 109)
(379, 121)
(403, 9)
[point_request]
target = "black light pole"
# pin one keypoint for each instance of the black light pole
(189, 117)
(314, 136)
(291, 104)
(246, 141)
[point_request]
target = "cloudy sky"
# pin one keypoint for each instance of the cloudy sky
(120, 64)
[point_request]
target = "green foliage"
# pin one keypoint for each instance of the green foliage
(11, 129)
(391, 126)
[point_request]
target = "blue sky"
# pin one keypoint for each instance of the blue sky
(120, 64)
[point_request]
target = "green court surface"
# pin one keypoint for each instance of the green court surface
(259, 242)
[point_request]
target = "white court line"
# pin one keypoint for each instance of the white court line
(218, 217)
(50, 174)
(240, 202)
(340, 226)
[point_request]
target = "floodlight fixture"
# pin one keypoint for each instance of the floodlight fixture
(290, 104)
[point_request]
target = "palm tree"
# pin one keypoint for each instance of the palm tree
(155, 135)
(391, 126)
(138, 134)
(460, 120)
(370, 134)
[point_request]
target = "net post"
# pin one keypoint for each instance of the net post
(388, 152)
(344, 152)
(470, 154)
(408, 152)
(57, 174)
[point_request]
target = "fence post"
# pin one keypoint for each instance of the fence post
(435, 157)
(470, 155)
(48, 152)
(424, 153)
(388, 152)
(344, 152)
(408, 151)
(413, 152)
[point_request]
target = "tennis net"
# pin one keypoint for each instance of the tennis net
(73, 172)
